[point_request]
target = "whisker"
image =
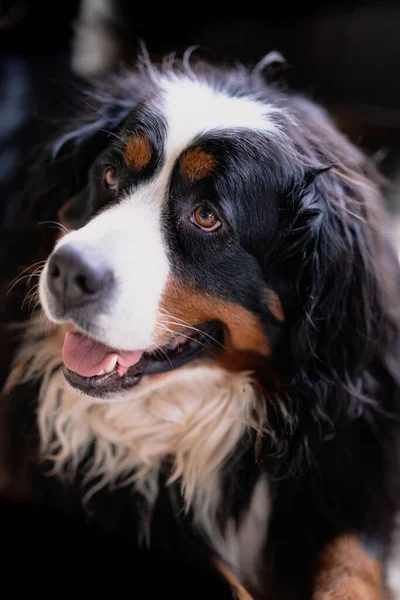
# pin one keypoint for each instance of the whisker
(32, 298)
(36, 273)
(159, 349)
(59, 225)
(176, 334)
(208, 338)
(176, 319)
(180, 322)
(34, 308)
(15, 280)
(30, 295)
(29, 277)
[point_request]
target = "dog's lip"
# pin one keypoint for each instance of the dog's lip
(209, 336)
(101, 386)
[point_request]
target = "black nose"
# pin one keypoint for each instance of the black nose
(77, 277)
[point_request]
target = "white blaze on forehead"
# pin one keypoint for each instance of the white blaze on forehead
(193, 107)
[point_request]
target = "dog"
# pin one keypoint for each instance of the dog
(213, 371)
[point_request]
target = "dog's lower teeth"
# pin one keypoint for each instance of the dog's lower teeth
(111, 365)
(101, 373)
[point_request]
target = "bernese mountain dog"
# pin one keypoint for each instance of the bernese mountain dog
(211, 374)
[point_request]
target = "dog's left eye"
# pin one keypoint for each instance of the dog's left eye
(205, 218)
(111, 178)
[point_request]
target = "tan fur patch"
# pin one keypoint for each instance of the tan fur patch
(61, 214)
(275, 306)
(237, 360)
(138, 152)
(197, 164)
(240, 592)
(347, 572)
(181, 306)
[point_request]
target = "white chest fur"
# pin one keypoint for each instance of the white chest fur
(195, 416)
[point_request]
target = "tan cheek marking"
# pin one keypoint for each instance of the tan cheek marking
(192, 307)
(197, 164)
(62, 218)
(347, 572)
(237, 361)
(240, 592)
(61, 212)
(137, 153)
(275, 306)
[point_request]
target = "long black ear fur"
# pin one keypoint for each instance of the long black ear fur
(337, 246)
(60, 168)
(340, 286)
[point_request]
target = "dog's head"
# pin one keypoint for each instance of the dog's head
(221, 219)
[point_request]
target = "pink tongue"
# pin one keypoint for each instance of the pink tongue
(87, 357)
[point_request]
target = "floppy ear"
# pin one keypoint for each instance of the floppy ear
(341, 275)
(338, 253)
(60, 169)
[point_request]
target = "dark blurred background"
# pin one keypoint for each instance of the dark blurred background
(345, 54)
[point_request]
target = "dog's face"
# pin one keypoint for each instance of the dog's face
(173, 259)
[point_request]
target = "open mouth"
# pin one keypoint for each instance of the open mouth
(100, 371)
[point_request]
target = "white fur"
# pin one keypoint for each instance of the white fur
(192, 108)
(129, 235)
(245, 542)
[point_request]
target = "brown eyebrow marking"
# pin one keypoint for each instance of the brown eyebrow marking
(138, 152)
(197, 164)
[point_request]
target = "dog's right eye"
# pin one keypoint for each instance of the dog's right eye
(111, 178)
(205, 218)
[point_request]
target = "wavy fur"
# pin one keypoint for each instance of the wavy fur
(318, 419)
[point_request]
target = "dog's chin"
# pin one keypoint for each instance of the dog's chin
(205, 340)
